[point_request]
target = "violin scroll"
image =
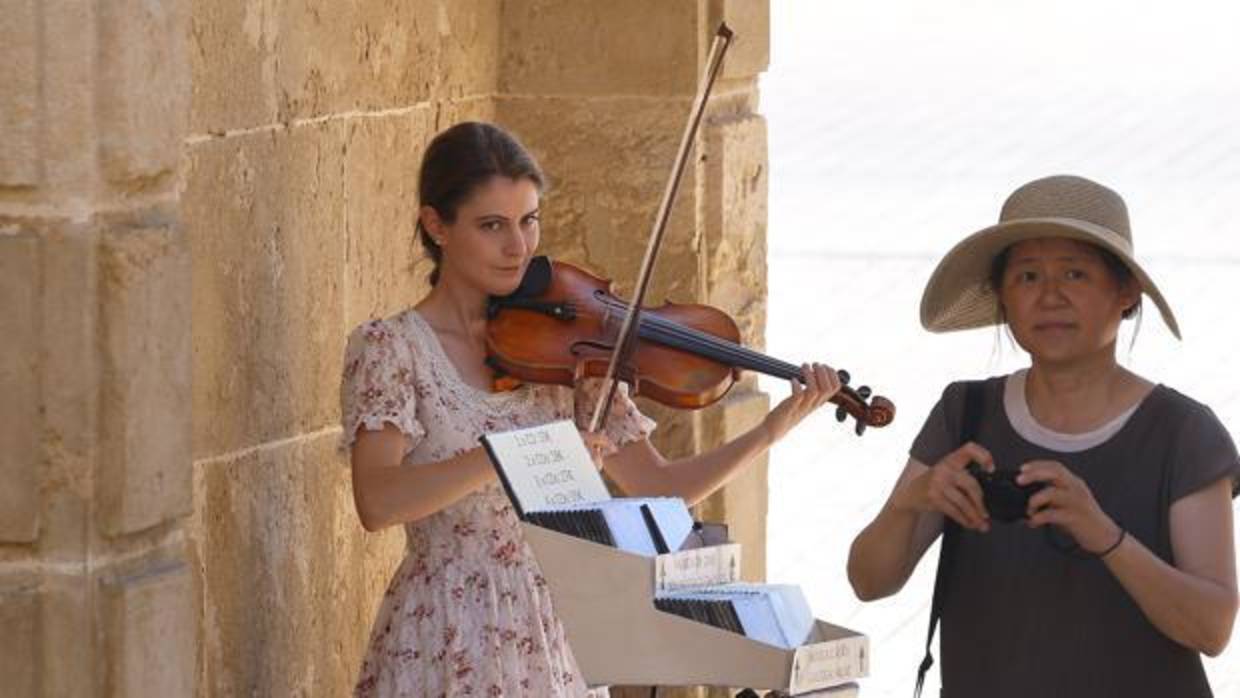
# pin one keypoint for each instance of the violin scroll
(876, 411)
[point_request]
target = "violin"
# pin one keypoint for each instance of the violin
(561, 324)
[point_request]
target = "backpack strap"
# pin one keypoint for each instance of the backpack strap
(969, 422)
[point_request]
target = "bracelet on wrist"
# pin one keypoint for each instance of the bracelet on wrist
(1123, 533)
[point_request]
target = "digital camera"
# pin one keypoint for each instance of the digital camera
(1004, 499)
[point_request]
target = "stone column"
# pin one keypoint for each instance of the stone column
(96, 596)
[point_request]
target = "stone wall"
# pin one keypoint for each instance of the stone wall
(307, 124)
(211, 194)
(95, 479)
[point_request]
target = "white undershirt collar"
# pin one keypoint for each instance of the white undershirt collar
(1018, 414)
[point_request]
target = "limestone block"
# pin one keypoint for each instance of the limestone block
(19, 384)
(608, 164)
(149, 634)
(453, 111)
(21, 640)
(68, 637)
(599, 48)
(469, 34)
(743, 502)
(380, 54)
(382, 156)
(144, 469)
(750, 20)
(69, 152)
(364, 54)
(20, 104)
(233, 65)
(290, 580)
(265, 222)
(69, 360)
(734, 221)
(262, 62)
(143, 90)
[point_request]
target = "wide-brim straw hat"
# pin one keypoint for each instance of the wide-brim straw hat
(959, 296)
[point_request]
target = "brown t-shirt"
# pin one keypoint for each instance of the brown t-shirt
(1022, 618)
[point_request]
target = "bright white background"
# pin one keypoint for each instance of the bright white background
(896, 128)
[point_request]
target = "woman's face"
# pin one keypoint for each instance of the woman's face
(493, 237)
(1060, 299)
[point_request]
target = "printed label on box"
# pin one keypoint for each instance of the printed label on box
(715, 564)
(824, 664)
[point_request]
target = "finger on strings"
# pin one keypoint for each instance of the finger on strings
(833, 381)
(828, 382)
(810, 378)
(797, 385)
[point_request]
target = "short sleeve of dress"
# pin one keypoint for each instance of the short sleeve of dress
(377, 386)
(625, 423)
(940, 431)
(1204, 453)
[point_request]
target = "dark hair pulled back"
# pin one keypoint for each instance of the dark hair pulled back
(458, 161)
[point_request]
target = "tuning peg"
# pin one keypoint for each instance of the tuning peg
(864, 392)
(860, 427)
(844, 377)
(841, 414)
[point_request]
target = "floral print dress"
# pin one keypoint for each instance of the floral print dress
(467, 613)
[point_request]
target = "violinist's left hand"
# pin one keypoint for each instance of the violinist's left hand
(1068, 503)
(821, 383)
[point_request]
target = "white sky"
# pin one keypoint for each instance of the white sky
(895, 129)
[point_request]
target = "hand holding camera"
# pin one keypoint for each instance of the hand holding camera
(947, 488)
(1004, 498)
(1067, 503)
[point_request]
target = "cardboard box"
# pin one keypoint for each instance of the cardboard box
(605, 599)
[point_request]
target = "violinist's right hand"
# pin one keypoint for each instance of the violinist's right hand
(598, 444)
(949, 489)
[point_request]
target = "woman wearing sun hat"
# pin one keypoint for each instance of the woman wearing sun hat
(1120, 570)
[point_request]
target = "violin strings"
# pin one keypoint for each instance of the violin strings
(683, 337)
(779, 369)
(720, 350)
(679, 336)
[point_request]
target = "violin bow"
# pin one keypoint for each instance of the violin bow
(628, 330)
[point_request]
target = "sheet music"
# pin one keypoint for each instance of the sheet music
(547, 466)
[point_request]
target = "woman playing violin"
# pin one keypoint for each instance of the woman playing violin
(467, 612)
